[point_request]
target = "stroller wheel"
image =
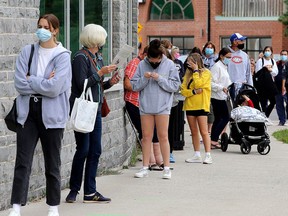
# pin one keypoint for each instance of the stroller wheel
(224, 142)
(245, 148)
(263, 150)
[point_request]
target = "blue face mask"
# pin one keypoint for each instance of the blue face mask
(283, 57)
(209, 51)
(267, 54)
(43, 34)
(226, 60)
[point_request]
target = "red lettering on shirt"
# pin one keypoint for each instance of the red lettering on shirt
(237, 59)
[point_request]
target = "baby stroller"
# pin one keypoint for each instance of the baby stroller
(246, 131)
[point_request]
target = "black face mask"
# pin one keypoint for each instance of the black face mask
(154, 65)
(240, 46)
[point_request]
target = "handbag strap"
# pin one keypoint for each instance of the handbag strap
(95, 67)
(30, 58)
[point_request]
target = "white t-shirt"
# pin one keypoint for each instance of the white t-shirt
(45, 55)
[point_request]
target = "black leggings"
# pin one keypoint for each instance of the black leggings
(268, 108)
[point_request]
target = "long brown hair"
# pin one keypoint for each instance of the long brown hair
(53, 21)
(196, 58)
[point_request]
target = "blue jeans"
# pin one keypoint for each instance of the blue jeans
(88, 148)
(280, 108)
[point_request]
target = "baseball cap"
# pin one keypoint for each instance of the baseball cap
(237, 36)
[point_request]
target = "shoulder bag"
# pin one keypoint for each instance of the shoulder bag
(11, 118)
(84, 111)
(105, 110)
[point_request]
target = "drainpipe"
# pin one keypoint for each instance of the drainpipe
(209, 21)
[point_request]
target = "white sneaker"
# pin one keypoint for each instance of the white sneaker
(142, 173)
(208, 160)
(166, 174)
(194, 159)
(14, 213)
(52, 213)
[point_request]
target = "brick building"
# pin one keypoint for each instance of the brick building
(18, 22)
(189, 23)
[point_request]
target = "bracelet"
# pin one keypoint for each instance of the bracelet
(196, 70)
(194, 92)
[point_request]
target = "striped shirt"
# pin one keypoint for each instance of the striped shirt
(132, 96)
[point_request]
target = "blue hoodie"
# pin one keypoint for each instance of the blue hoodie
(55, 91)
(156, 97)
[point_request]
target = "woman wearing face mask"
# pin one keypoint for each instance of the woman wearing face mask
(270, 66)
(45, 89)
(209, 54)
(220, 82)
(209, 57)
(88, 64)
(156, 79)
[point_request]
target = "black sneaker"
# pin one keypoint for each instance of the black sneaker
(71, 197)
(96, 198)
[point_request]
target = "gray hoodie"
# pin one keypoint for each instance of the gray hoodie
(239, 68)
(156, 97)
(55, 91)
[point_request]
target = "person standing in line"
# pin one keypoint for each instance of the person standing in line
(219, 85)
(196, 88)
(281, 98)
(209, 56)
(156, 79)
(88, 64)
(44, 90)
(239, 68)
(176, 115)
(131, 99)
(268, 62)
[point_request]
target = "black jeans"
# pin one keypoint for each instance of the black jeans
(27, 138)
(221, 115)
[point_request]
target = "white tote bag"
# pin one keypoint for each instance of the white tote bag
(84, 111)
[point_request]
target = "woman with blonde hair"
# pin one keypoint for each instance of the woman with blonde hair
(196, 88)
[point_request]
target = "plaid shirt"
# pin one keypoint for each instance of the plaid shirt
(132, 96)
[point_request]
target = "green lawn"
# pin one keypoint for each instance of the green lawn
(281, 135)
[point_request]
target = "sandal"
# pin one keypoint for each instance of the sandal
(215, 146)
(156, 167)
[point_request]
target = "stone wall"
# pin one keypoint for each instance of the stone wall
(17, 24)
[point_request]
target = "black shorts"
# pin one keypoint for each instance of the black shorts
(196, 113)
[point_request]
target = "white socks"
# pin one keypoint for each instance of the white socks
(54, 209)
(198, 153)
(16, 207)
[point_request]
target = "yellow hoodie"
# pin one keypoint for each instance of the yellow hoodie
(199, 101)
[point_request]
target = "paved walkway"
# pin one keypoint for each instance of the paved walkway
(234, 185)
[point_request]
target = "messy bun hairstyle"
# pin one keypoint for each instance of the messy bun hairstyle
(155, 49)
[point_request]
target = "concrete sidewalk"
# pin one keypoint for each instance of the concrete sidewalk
(234, 185)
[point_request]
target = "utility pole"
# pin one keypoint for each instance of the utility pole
(209, 21)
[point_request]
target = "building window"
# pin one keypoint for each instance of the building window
(185, 44)
(253, 45)
(252, 8)
(171, 10)
(73, 15)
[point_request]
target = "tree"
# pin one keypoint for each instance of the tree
(284, 18)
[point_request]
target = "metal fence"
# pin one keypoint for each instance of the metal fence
(252, 8)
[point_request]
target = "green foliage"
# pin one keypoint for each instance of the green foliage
(134, 156)
(281, 135)
(284, 18)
